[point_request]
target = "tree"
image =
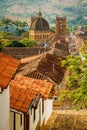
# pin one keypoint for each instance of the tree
(1, 23)
(6, 22)
(4, 39)
(23, 24)
(19, 26)
(76, 80)
(15, 43)
(28, 43)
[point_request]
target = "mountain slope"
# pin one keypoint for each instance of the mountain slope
(75, 10)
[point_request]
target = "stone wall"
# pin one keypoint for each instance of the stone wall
(22, 52)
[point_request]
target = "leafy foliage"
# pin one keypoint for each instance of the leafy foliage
(6, 22)
(28, 43)
(20, 25)
(5, 39)
(9, 40)
(23, 43)
(15, 44)
(77, 79)
(85, 41)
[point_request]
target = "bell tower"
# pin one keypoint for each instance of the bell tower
(60, 28)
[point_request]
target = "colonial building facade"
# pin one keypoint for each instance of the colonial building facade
(39, 29)
(30, 103)
(8, 67)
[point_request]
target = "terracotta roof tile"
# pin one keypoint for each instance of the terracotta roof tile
(8, 67)
(42, 67)
(23, 90)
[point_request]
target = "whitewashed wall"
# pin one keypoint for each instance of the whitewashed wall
(4, 109)
(48, 109)
(42, 115)
(48, 103)
(33, 124)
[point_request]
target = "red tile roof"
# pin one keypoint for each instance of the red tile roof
(23, 90)
(8, 67)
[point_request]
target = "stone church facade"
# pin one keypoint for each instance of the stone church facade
(39, 29)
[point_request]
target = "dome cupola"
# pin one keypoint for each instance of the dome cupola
(40, 24)
(40, 13)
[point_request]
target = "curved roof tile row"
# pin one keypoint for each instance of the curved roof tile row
(23, 90)
(8, 67)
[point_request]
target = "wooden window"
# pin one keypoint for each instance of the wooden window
(42, 105)
(34, 117)
(21, 120)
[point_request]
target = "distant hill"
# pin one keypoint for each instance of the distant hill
(75, 10)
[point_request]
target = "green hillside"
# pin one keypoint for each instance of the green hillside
(75, 10)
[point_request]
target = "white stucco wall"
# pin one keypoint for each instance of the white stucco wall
(4, 109)
(32, 123)
(48, 106)
(39, 116)
(42, 115)
(48, 109)
(18, 124)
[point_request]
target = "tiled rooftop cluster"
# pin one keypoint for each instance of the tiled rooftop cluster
(48, 66)
(8, 67)
(23, 90)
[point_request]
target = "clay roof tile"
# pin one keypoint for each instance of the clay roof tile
(8, 67)
(23, 90)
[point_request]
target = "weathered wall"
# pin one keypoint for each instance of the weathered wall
(22, 52)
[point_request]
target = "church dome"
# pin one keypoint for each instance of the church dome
(39, 24)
